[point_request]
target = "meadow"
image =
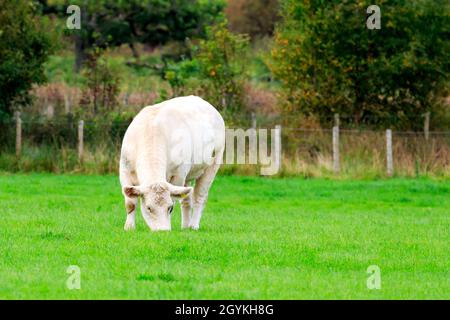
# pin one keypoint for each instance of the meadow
(260, 238)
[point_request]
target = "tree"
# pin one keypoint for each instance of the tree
(152, 22)
(24, 48)
(253, 17)
(329, 61)
(102, 85)
(221, 59)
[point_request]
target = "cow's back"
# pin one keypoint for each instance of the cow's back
(195, 132)
(191, 115)
(183, 125)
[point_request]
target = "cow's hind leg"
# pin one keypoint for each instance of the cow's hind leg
(200, 197)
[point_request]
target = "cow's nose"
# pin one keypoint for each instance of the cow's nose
(162, 229)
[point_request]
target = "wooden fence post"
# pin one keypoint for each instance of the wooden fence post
(80, 140)
(66, 103)
(389, 158)
(336, 162)
(337, 121)
(426, 127)
(126, 96)
(18, 134)
(253, 120)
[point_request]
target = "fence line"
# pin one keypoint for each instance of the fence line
(416, 133)
(335, 138)
(126, 123)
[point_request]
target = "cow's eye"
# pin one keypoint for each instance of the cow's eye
(170, 209)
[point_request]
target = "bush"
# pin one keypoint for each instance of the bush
(24, 47)
(102, 87)
(328, 60)
(221, 59)
(178, 74)
(256, 18)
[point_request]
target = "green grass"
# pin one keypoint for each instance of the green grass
(259, 239)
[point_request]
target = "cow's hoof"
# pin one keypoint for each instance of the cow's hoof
(195, 227)
(129, 227)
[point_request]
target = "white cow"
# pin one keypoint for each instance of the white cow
(167, 146)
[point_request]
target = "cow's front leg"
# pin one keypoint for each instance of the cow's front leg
(186, 206)
(130, 206)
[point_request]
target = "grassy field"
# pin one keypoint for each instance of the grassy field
(259, 239)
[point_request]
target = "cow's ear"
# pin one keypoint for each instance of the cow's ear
(132, 191)
(179, 192)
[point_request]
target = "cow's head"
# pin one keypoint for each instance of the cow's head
(157, 202)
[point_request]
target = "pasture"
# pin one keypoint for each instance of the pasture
(259, 239)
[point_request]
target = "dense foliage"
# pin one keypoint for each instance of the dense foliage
(324, 61)
(217, 70)
(253, 17)
(329, 61)
(101, 91)
(324, 58)
(222, 64)
(151, 22)
(24, 47)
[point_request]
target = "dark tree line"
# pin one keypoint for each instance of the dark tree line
(107, 23)
(24, 48)
(329, 61)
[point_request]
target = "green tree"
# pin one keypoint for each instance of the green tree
(221, 58)
(253, 17)
(152, 22)
(102, 85)
(24, 48)
(329, 61)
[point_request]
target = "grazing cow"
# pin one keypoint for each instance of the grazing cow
(167, 146)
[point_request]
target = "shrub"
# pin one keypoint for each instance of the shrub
(102, 86)
(329, 61)
(253, 17)
(221, 59)
(178, 74)
(24, 47)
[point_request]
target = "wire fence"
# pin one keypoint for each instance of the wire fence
(68, 144)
